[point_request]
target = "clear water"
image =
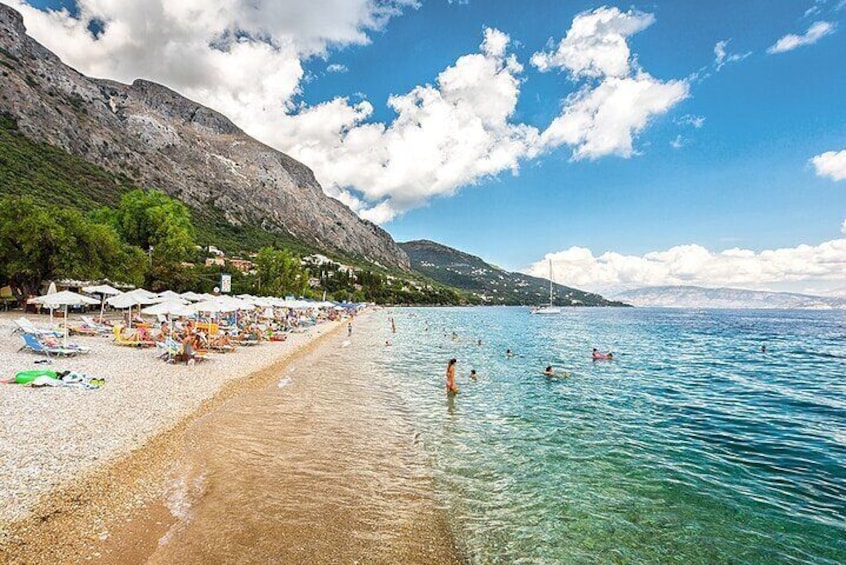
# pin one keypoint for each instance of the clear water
(692, 446)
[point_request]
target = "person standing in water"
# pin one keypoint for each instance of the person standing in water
(393, 326)
(450, 377)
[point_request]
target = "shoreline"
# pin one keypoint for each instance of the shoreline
(73, 521)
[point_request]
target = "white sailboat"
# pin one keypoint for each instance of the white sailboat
(548, 308)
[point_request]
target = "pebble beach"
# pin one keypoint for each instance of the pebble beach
(54, 438)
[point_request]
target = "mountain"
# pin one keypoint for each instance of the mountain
(490, 284)
(698, 297)
(158, 139)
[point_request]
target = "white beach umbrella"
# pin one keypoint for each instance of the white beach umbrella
(214, 306)
(170, 295)
(65, 298)
(132, 298)
(51, 290)
(239, 303)
(103, 290)
(192, 296)
(169, 307)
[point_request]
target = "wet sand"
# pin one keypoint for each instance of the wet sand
(302, 462)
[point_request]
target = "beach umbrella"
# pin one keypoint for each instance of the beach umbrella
(169, 308)
(192, 296)
(64, 299)
(51, 290)
(130, 299)
(170, 295)
(103, 290)
(214, 306)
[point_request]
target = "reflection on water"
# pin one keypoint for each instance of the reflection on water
(315, 469)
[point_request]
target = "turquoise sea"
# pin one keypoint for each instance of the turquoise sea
(692, 446)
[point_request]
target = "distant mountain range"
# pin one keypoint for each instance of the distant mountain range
(490, 284)
(699, 297)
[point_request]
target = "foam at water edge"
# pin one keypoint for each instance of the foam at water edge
(182, 492)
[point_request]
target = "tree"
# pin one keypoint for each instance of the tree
(151, 219)
(40, 242)
(279, 273)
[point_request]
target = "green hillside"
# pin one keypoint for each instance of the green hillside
(489, 284)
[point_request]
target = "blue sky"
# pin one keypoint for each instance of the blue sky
(742, 179)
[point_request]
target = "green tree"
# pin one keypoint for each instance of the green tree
(279, 273)
(39, 242)
(151, 219)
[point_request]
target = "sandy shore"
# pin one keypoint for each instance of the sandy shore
(63, 442)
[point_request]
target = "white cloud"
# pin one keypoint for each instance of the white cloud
(678, 142)
(696, 265)
(336, 68)
(691, 120)
(595, 45)
(240, 57)
(722, 57)
(603, 118)
(445, 136)
(245, 59)
(831, 164)
(791, 41)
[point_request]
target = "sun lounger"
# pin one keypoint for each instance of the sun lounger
(82, 330)
(133, 340)
(91, 323)
(36, 345)
(27, 327)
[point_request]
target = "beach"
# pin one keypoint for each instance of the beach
(59, 442)
(284, 453)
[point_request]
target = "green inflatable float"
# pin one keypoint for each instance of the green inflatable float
(26, 377)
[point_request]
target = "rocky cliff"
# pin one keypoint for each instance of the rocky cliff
(163, 140)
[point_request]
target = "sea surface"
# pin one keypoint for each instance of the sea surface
(691, 446)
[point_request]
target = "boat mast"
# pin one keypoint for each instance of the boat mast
(550, 282)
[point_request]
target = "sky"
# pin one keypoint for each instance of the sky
(631, 145)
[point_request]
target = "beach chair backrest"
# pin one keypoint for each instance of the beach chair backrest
(32, 342)
(26, 326)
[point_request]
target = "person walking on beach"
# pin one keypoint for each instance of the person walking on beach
(349, 329)
(450, 377)
(393, 326)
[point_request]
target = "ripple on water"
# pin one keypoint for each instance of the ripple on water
(691, 447)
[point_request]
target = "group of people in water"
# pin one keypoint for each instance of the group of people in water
(451, 387)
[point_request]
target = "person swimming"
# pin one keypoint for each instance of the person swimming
(509, 354)
(549, 372)
(598, 356)
(473, 374)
